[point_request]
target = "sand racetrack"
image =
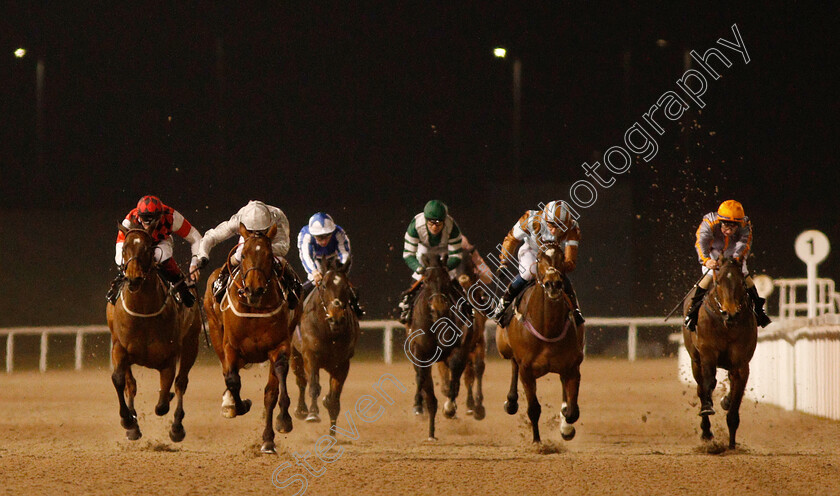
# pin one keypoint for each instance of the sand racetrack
(638, 434)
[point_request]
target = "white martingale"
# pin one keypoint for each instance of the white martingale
(135, 314)
(244, 314)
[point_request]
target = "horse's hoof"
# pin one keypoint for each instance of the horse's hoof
(567, 431)
(725, 403)
(418, 410)
(511, 408)
(246, 407)
(449, 409)
(284, 423)
(313, 418)
(161, 410)
(479, 413)
(268, 448)
(177, 434)
(129, 424)
(707, 411)
(301, 413)
(228, 412)
(133, 434)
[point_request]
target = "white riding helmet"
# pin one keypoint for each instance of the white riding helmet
(557, 212)
(255, 216)
(321, 224)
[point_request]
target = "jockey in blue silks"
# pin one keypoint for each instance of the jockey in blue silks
(318, 242)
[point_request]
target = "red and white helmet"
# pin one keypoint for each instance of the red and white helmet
(557, 212)
(149, 208)
(255, 216)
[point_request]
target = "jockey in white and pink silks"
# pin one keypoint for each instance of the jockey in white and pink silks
(255, 216)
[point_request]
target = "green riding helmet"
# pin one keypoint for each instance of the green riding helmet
(435, 210)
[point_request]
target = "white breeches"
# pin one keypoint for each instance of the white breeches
(440, 251)
(163, 251)
(527, 262)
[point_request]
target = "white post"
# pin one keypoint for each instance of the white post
(812, 290)
(812, 247)
(80, 349)
(10, 352)
(632, 335)
(387, 343)
(42, 365)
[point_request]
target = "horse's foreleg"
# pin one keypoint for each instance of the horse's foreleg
(130, 390)
(457, 361)
(445, 377)
(189, 352)
(512, 403)
(469, 380)
(529, 384)
(119, 360)
(706, 386)
(314, 388)
(570, 409)
(272, 392)
(428, 391)
(281, 368)
(300, 377)
(232, 403)
(478, 364)
(418, 395)
(333, 399)
(738, 380)
(167, 377)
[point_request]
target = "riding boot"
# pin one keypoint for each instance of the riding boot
(503, 312)
(354, 303)
(114, 291)
(761, 317)
(459, 296)
(570, 292)
(406, 301)
(694, 309)
(172, 273)
(220, 284)
(291, 283)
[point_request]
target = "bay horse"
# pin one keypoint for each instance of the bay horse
(436, 334)
(542, 338)
(474, 369)
(149, 328)
(253, 324)
(726, 337)
(327, 336)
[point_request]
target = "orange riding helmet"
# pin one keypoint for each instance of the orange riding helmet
(731, 211)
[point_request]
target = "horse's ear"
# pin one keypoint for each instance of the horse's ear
(271, 231)
(122, 228)
(242, 231)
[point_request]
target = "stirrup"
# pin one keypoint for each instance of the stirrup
(690, 324)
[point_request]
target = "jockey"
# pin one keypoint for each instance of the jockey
(255, 216)
(727, 232)
(433, 231)
(553, 224)
(165, 220)
(319, 241)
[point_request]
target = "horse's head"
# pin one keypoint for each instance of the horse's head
(334, 291)
(138, 254)
(437, 284)
(730, 289)
(257, 266)
(549, 270)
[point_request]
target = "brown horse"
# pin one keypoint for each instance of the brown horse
(474, 369)
(435, 333)
(251, 325)
(149, 328)
(726, 337)
(327, 339)
(543, 338)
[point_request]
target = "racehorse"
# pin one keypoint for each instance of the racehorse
(326, 340)
(149, 328)
(541, 339)
(726, 336)
(434, 334)
(253, 324)
(474, 369)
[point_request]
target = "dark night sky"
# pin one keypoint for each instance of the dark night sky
(368, 113)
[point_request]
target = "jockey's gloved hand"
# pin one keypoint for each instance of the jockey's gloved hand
(202, 262)
(420, 270)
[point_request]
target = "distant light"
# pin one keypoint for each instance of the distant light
(661, 43)
(20, 52)
(499, 52)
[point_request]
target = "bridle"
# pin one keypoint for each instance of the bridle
(125, 263)
(717, 306)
